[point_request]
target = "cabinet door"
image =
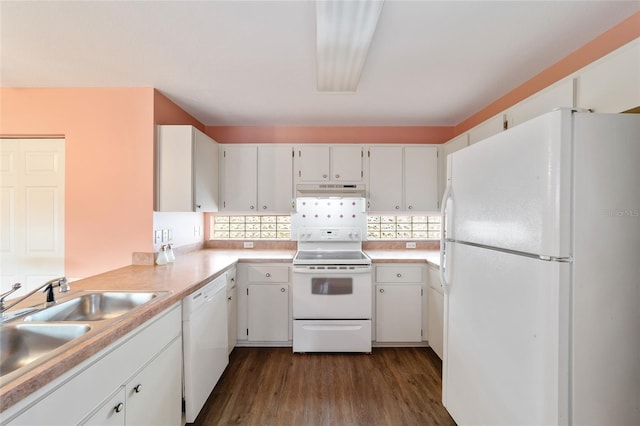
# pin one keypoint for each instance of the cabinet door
(346, 163)
(240, 177)
(269, 312)
(205, 178)
(398, 313)
(385, 178)
(232, 310)
(487, 128)
(110, 413)
(275, 178)
(421, 178)
(154, 395)
(435, 321)
(174, 169)
(313, 163)
(611, 84)
(558, 95)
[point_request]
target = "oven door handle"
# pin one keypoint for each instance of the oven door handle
(331, 271)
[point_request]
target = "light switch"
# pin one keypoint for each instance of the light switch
(165, 235)
(411, 245)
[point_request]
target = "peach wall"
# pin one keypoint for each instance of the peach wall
(109, 166)
(165, 111)
(616, 37)
(309, 134)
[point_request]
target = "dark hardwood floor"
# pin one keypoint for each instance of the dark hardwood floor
(273, 386)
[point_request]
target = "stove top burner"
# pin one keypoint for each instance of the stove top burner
(328, 257)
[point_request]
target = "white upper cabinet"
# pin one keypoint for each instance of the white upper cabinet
(239, 165)
(612, 84)
(403, 178)
(275, 178)
(450, 147)
(558, 95)
(329, 163)
(386, 171)
(187, 170)
(257, 178)
(491, 127)
(421, 178)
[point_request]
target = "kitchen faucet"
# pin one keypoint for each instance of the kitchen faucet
(47, 287)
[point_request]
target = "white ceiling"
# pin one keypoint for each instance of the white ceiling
(431, 63)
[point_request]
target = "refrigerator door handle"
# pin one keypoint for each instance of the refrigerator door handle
(443, 240)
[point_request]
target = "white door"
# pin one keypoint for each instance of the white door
(385, 178)
(346, 163)
(32, 173)
(313, 163)
(275, 178)
(240, 176)
(421, 178)
(505, 338)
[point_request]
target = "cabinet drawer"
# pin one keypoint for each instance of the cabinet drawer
(399, 274)
(268, 274)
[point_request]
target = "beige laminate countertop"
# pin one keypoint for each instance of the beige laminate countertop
(188, 273)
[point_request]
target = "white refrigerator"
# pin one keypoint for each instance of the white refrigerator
(541, 272)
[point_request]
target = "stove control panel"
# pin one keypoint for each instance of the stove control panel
(330, 234)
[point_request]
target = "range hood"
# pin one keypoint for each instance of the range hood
(331, 190)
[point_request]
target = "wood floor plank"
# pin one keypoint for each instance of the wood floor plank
(273, 386)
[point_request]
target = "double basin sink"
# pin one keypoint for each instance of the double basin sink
(33, 337)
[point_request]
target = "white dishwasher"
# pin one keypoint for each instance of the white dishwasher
(204, 330)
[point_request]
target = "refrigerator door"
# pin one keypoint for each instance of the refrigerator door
(505, 338)
(513, 190)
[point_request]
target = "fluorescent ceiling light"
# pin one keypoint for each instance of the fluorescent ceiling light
(344, 32)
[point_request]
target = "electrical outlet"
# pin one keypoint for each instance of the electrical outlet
(248, 244)
(157, 236)
(165, 235)
(169, 235)
(197, 231)
(411, 245)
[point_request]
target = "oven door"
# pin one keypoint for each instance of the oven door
(332, 293)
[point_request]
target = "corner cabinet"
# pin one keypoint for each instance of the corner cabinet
(136, 380)
(403, 178)
(256, 178)
(186, 170)
(264, 304)
(399, 303)
(329, 163)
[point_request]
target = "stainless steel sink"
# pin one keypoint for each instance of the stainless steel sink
(22, 344)
(94, 306)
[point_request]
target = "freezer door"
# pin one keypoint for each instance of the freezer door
(505, 338)
(513, 190)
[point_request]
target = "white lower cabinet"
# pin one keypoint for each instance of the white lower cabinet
(264, 304)
(435, 322)
(399, 303)
(137, 380)
(232, 309)
(268, 312)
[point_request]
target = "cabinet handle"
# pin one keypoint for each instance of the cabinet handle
(229, 298)
(264, 207)
(324, 176)
(251, 207)
(397, 207)
(410, 207)
(267, 275)
(199, 206)
(337, 176)
(138, 388)
(381, 290)
(118, 408)
(398, 275)
(282, 290)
